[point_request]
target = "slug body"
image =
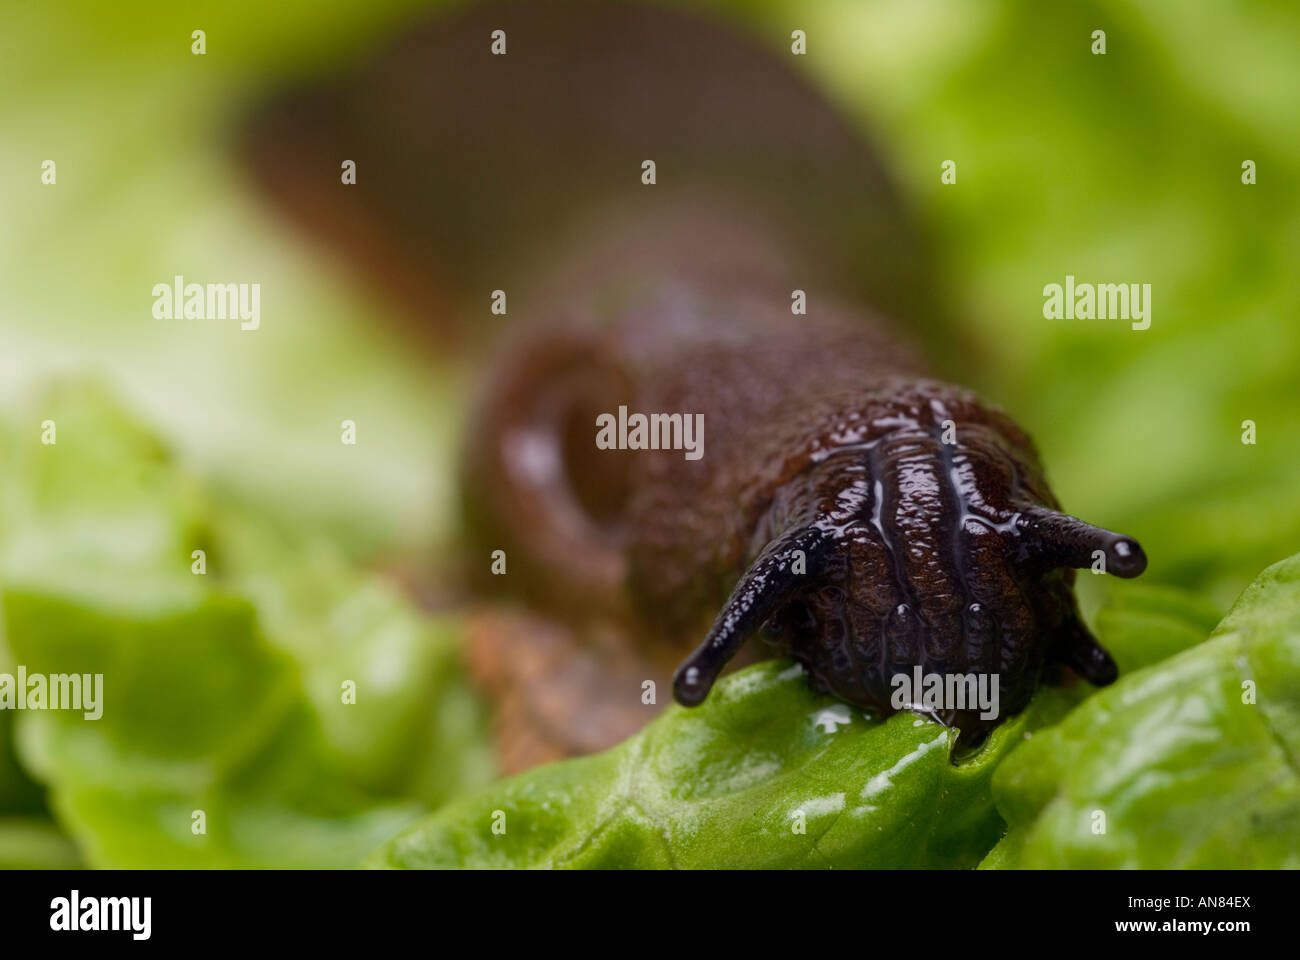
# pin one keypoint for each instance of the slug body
(865, 517)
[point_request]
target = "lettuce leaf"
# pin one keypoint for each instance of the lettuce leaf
(34, 843)
(1190, 763)
(223, 699)
(765, 773)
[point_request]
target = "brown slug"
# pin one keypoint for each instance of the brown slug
(863, 515)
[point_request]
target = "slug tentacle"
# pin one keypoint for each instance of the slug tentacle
(771, 581)
(1081, 652)
(1060, 540)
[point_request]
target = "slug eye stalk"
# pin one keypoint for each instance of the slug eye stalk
(1059, 540)
(769, 582)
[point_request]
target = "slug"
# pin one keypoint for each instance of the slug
(807, 476)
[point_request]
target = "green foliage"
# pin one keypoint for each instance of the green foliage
(222, 692)
(1191, 762)
(764, 774)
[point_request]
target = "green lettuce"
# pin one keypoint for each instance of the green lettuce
(1190, 763)
(227, 738)
(34, 843)
(765, 773)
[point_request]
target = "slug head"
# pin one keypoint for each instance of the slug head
(923, 541)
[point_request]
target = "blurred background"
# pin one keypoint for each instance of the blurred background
(1117, 168)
